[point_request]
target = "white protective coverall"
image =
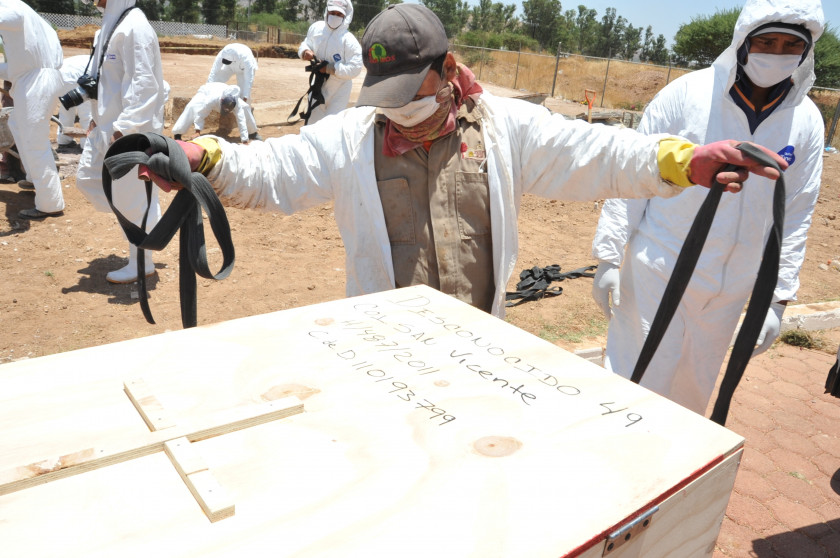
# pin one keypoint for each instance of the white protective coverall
(529, 151)
(344, 54)
(209, 98)
(72, 68)
(243, 65)
(33, 57)
(698, 107)
(131, 98)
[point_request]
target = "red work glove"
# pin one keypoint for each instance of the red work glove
(709, 160)
(195, 154)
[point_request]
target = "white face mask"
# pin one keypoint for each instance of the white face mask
(334, 21)
(414, 112)
(766, 70)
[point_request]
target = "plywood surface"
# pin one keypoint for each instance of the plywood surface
(429, 428)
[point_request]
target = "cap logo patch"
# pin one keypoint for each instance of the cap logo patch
(377, 54)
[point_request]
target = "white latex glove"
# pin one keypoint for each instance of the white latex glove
(771, 328)
(604, 284)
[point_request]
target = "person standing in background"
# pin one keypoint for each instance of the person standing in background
(130, 99)
(756, 90)
(331, 41)
(33, 57)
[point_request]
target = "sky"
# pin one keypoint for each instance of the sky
(666, 16)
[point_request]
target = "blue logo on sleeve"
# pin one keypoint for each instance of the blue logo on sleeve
(336, 57)
(787, 154)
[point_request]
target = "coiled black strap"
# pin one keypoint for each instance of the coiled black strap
(184, 213)
(762, 294)
(535, 282)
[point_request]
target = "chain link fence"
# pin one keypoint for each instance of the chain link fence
(163, 28)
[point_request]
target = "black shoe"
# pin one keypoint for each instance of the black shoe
(255, 136)
(71, 148)
(177, 136)
(37, 214)
(25, 185)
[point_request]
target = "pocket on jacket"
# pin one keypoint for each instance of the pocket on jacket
(399, 213)
(472, 200)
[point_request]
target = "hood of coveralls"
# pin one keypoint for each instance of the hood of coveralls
(112, 14)
(755, 13)
(342, 6)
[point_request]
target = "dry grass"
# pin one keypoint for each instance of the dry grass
(628, 85)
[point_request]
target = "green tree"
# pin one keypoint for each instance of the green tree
(632, 42)
(186, 11)
(364, 12)
(211, 11)
(228, 8)
(610, 37)
(827, 59)
(586, 25)
(263, 6)
(565, 35)
(315, 9)
(539, 20)
(56, 6)
(452, 13)
(705, 37)
(660, 53)
(493, 17)
(153, 9)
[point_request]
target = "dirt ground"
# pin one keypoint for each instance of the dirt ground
(54, 296)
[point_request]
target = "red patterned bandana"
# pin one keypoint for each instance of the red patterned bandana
(399, 140)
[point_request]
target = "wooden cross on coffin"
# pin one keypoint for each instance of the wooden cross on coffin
(166, 435)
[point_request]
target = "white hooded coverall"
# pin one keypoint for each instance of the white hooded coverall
(529, 150)
(342, 51)
(71, 70)
(33, 57)
(243, 65)
(698, 107)
(209, 98)
(131, 98)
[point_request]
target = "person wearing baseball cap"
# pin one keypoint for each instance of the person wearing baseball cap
(427, 171)
(331, 41)
(757, 88)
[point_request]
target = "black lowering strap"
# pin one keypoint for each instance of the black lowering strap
(313, 94)
(534, 282)
(760, 299)
(832, 383)
(169, 161)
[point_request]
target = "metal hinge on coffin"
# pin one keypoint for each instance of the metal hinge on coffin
(629, 531)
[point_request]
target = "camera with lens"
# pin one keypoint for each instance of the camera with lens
(87, 90)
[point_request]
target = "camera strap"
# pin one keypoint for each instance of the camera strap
(184, 214)
(760, 299)
(107, 42)
(313, 95)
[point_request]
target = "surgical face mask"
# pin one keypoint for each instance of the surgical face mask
(766, 70)
(414, 112)
(334, 21)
